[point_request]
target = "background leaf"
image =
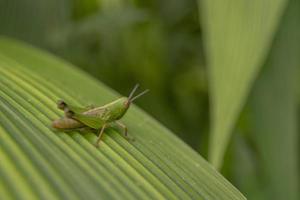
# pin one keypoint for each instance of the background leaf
(39, 163)
(274, 105)
(237, 36)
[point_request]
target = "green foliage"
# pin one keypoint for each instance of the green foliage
(237, 37)
(38, 162)
(243, 58)
(281, 170)
(33, 20)
(156, 44)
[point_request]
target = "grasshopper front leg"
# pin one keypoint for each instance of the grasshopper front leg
(124, 128)
(125, 131)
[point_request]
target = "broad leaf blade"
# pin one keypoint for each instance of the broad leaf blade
(275, 104)
(156, 166)
(237, 35)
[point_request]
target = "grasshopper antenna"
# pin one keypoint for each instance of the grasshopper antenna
(133, 91)
(139, 95)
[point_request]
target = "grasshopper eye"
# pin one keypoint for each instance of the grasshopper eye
(127, 103)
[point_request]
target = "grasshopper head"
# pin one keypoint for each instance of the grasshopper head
(119, 107)
(131, 98)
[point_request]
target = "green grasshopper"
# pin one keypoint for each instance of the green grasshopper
(97, 118)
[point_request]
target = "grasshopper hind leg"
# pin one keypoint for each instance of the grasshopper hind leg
(61, 104)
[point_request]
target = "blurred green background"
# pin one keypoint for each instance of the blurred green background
(162, 45)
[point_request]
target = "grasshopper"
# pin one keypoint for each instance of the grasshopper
(97, 118)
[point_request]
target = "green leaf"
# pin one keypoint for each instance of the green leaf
(275, 114)
(39, 163)
(237, 35)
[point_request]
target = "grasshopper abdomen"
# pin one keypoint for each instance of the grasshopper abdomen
(67, 123)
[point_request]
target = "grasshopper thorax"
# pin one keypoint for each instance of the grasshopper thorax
(116, 109)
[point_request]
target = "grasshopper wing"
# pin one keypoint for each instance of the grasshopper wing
(89, 120)
(84, 115)
(77, 109)
(61, 104)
